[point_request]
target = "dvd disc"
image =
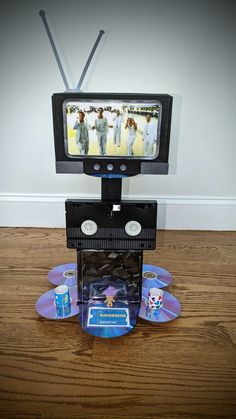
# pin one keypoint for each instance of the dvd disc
(154, 276)
(46, 307)
(64, 275)
(102, 331)
(170, 309)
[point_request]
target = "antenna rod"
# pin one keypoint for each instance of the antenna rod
(42, 14)
(101, 32)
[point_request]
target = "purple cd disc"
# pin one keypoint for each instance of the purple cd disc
(154, 276)
(46, 306)
(170, 309)
(100, 325)
(64, 275)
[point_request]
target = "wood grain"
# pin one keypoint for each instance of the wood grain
(182, 369)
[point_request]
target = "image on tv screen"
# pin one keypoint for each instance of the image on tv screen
(112, 128)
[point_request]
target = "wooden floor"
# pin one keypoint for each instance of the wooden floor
(182, 369)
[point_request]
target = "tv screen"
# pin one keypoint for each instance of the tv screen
(112, 128)
(115, 134)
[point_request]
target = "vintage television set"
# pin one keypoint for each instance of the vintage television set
(113, 160)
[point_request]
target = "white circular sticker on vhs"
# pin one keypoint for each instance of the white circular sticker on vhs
(89, 227)
(133, 228)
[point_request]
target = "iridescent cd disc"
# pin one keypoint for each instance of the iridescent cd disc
(46, 307)
(102, 331)
(170, 309)
(64, 275)
(154, 276)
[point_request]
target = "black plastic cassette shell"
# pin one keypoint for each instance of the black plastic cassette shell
(111, 224)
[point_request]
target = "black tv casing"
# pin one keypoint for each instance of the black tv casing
(85, 164)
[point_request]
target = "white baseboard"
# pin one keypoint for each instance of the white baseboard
(174, 213)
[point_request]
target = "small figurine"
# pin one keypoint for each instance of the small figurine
(110, 293)
(109, 301)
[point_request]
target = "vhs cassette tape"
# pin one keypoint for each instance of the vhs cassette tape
(99, 225)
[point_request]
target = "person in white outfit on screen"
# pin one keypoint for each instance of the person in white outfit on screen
(149, 136)
(101, 126)
(82, 133)
(117, 128)
(132, 129)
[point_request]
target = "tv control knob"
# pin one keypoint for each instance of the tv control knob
(96, 166)
(133, 228)
(89, 227)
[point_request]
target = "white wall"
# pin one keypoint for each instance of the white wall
(182, 47)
